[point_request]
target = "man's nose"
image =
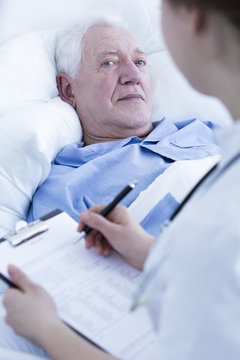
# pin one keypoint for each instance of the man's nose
(130, 74)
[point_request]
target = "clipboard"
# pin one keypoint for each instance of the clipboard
(92, 293)
(26, 231)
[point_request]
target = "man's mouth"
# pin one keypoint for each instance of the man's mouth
(131, 97)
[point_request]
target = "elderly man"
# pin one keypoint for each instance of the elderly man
(102, 73)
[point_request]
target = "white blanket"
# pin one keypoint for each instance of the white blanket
(178, 180)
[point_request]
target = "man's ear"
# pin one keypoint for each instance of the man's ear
(64, 85)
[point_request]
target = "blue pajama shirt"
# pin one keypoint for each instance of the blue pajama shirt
(82, 176)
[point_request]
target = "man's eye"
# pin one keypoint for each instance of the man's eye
(140, 62)
(108, 63)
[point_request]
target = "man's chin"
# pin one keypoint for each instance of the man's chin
(138, 119)
(137, 126)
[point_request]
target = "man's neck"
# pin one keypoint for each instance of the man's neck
(89, 139)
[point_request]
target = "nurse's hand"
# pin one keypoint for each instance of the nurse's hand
(119, 231)
(29, 310)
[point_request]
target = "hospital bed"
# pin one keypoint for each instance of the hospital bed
(35, 124)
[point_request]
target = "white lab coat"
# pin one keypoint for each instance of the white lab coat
(192, 276)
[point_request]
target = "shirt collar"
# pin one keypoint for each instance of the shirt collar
(161, 129)
(167, 128)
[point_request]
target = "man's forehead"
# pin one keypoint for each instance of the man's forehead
(103, 40)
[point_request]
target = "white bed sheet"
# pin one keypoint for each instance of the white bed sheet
(177, 180)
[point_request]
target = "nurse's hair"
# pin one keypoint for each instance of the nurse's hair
(68, 49)
(229, 8)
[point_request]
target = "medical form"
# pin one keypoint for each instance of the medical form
(92, 293)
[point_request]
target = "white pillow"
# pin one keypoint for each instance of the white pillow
(27, 70)
(175, 99)
(18, 17)
(30, 138)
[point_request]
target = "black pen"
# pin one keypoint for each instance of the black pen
(8, 282)
(109, 207)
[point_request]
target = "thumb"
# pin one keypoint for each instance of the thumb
(19, 278)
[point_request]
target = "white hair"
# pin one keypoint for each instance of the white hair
(68, 51)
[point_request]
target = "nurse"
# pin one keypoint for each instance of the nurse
(192, 272)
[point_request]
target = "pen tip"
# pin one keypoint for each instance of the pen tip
(133, 183)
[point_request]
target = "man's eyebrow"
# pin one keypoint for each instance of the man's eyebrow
(108, 52)
(114, 51)
(141, 51)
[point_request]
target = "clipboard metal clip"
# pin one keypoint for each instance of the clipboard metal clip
(25, 231)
